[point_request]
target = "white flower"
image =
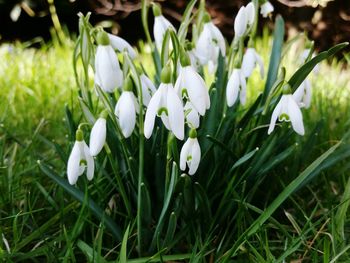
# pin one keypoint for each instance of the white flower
(120, 44)
(166, 104)
(303, 94)
(161, 25)
(126, 110)
(108, 74)
(192, 116)
(190, 82)
(241, 22)
(250, 59)
(210, 43)
(287, 110)
(148, 89)
(98, 136)
(191, 155)
(266, 8)
(250, 13)
(79, 160)
(236, 84)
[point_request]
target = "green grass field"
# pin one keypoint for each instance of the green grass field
(40, 222)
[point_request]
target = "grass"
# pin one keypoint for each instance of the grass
(40, 222)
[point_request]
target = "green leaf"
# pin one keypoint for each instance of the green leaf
(275, 57)
(79, 195)
(288, 191)
(302, 72)
(124, 247)
(89, 252)
(168, 195)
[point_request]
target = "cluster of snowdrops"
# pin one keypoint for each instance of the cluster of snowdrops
(180, 102)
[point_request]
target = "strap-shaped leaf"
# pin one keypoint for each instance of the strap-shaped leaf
(79, 195)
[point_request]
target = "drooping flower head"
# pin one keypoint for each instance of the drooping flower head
(287, 110)
(190, 154)
(108, 74)
(303, 94)
(191, 86)
(166, 104)
(209, 44)
(161, 25)
(120, 44)
(250, 59)
(80, 160)
(236, 85)
(98, 134)
(126, 109)
(266, 9)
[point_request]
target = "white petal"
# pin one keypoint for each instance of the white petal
(121, 45)
(196, 156)
(161, 25)
(250, 12)
(260, 63)
(192, 116)
(295, 116)
(184, 153)
(248, 63)
(74, 164)
(151, 112)
(204, 45)
(126, 113)
(90, 162)
(107, 70)
(266, 9)
(299, 94)
(175, 114)
(232, 88)
(196, 89)
(217, 38)
(97, 136)
(276, 112)
(240, 24)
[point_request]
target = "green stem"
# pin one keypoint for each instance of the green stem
(56, 21)
(255, 24)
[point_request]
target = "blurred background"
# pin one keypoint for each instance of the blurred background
(325, 21)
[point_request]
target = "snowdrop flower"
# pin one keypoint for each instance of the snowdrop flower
(120, 44)
(250, 13)
(98, 134)
(166, 104)
(303, 94)
(250, 59)
(108, 74)
(210, 43)
(80, 160)
(266, 8)
(241, 22)
(191, 115)
(161, 25)
(236, 84)
(190, 154)
(287, 110)
(192, 85)
(126, 109)
(148, 89)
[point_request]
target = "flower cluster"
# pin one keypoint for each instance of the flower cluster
(182, 97)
